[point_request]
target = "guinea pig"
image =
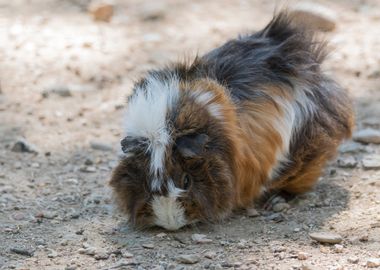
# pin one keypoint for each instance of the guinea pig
(206, 137)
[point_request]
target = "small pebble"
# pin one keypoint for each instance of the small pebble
(278, 249)
(123, 263)
(302, 256)
(126, 254)
(373, 262)
(79, 232)
(52, 253)
(188, 259)
(151, 37)
(64, 242)
(363, 238)
(35, 165)
(338, 248)
(276, 217)
(101, 255)
(18, 216)
(326, 237)
(60, 90)
(22, 146)
(347, 162)
(242, 244)
(101, 146)
(306, 267)
(74, 215)
(227, 265)
(353, 260)
(153, 11)
(102, 12)
(88, 169)
(210, 254)
(374, 75)
(368, 135)
(49, 215)
(148, 246)
(17, 165)
(158, 267)
(72, 181)
(281, 255)
(252, 212)
(200, 239)
(351, 148)
(161, 235)
(88, 162)
(324, 249)
(237, 264)
(22, 251)
(40, 242)
(91, 251)
(279, 207)
(371, 162)
(180, 239)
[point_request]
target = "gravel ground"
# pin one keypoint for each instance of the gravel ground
(64, 80)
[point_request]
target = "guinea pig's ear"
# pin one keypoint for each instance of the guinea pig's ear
(133, 144)
(192, 145)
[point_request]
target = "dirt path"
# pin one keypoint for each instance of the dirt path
(64, 79)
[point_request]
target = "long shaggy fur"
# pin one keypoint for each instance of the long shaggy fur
(255, 114)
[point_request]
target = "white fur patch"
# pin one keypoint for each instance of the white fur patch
(215, 110)
(206, 99)
(146, 117)
(294, 114)
(168, 212)
(173, 190)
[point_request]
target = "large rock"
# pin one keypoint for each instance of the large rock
(367, 135)
(314, 16)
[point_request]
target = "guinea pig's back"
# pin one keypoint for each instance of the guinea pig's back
(295, 116)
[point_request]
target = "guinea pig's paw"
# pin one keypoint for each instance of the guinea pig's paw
(277, 198)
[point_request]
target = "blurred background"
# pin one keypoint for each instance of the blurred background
(95, 50)
(66, 68)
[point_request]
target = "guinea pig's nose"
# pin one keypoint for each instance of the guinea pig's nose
(168, 213)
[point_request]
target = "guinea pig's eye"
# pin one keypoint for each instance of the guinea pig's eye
(186, 182)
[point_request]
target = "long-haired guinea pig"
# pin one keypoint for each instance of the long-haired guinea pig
(204, 138)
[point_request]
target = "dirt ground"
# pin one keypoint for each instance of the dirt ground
(64, 80)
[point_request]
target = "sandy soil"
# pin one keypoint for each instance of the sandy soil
(64, 79)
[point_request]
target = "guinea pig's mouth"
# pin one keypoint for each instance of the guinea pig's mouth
(168, 213)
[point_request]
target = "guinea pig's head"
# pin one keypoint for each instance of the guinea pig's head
(178, 153)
